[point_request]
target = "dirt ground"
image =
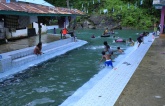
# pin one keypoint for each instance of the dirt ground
(147, 85)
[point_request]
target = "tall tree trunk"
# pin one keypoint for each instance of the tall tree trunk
(67, 2)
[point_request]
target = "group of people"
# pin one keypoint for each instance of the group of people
(38, 47)
(65, 31)
(107, 53)
(130, 42)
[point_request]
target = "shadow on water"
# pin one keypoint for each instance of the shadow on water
(51, 82)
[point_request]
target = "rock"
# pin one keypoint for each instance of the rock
(99, 21)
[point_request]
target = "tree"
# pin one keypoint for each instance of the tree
(67, 2)
(140, 12)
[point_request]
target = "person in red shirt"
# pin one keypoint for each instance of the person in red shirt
(64, 32)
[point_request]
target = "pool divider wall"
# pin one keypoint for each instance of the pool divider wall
(21, 57)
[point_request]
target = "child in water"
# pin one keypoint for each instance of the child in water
(119, 50)
(130, 42)
(107, 58)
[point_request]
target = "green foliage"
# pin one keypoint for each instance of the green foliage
(53, 22)
(103, 21)
(131, 13)
(78, 19)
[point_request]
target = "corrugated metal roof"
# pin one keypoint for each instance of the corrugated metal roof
(158, 2)
(41, 2)
(35, 9)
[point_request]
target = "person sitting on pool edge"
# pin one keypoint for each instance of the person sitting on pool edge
(107, 58)
(38, 48)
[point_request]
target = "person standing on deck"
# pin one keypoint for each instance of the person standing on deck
(155, 29)
(140, 38)
(74, 33)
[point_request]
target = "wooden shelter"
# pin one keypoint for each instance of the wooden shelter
(13, 13)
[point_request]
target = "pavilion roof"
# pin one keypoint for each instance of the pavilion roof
(20, 8)
(158, 2)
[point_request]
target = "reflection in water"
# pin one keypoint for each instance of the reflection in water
(94, 47)
(50, 83)
(40, 101)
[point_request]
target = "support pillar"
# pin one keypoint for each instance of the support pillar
(39, 28)
(75, 22)
(162, 19)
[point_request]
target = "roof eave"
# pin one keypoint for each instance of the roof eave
(22, 13)
(158, 4)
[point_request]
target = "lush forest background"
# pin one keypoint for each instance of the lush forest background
(131, 13)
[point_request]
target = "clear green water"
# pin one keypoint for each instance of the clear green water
(50, 83)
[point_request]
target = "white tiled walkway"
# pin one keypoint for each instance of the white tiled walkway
(107, 90)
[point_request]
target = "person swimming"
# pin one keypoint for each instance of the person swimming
(130, 42)
(120, 40)
(93, 36)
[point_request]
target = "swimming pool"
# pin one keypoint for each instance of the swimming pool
(51, 82)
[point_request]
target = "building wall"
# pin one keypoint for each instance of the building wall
(33, 19)
(29, 22)
(66, 24)
(24, 21)
(17, 33)
(2, 32)
(43, 29)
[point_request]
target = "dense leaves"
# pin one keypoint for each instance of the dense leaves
(131, 13)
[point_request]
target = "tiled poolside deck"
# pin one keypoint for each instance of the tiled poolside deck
(107, 90)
